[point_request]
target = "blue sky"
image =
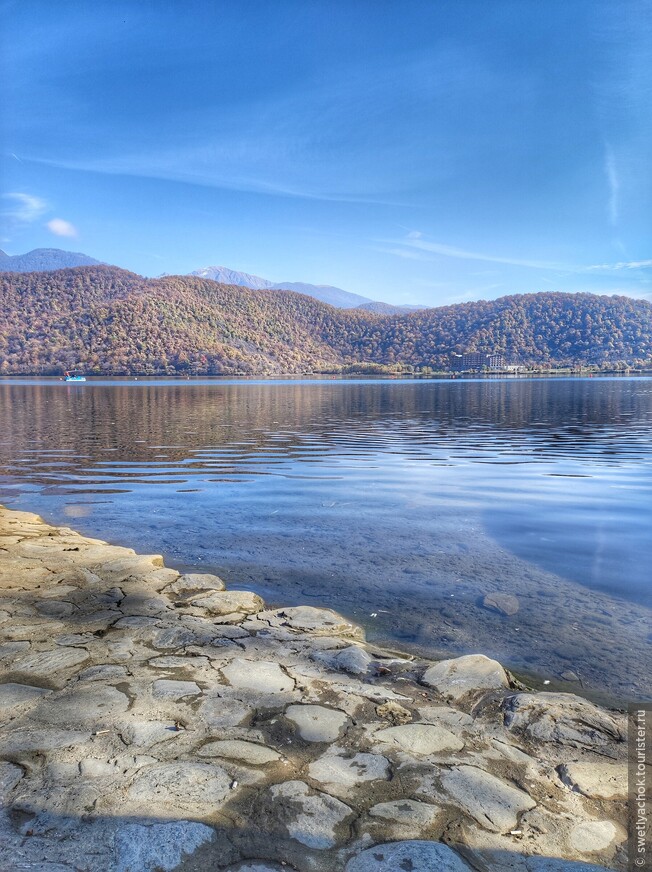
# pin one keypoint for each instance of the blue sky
(427, 152)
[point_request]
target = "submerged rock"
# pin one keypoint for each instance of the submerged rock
(503, 603)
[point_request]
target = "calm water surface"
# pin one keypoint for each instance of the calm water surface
(400, 503)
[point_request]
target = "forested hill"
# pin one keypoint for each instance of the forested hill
(106, 320)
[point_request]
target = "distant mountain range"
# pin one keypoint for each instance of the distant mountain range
(44, 259)
(103, 319)
(326, 293)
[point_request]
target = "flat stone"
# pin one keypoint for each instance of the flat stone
(46, 663)
(493, 803)
(21, 741)
(136, 622)
(83, 706)
(16, 694)
(420, 739)
(337, 769)
(262, 676)
(319, 622)
(444, 714)
(597, 779)
(415, 856)
(316, 723)
(406, 811)
(172, 662)
(590, 837)
(146, 733)
(461, 675)
(193, 583)
(175, 689)
(503, 603)
(562, 718)
(237, 749)
(549, 864)
(8, 650)
(181, 787)
(229, 602)
(128, 567)
(172, 638)
(311, 818)
(10, 775)
(352, 659)
(220, 712)
(158, 847)
(55, 609)
(103, 672)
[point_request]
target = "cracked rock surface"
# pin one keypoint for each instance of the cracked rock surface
(156, 721)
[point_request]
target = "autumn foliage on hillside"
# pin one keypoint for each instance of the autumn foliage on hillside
(106, 320)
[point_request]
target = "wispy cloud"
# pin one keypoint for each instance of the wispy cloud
(61, 228)
(613, 183)
(623, 265)
(415, 240)
(405, 253)
(22, 208)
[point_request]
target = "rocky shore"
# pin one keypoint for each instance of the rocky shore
(155, 721)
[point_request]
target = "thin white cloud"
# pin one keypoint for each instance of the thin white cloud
(623, 265)
(22, 208)
(416, 241)
(405, 253)
(613, 183)
(61, 228)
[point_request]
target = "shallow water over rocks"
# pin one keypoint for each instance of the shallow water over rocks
(412, 507)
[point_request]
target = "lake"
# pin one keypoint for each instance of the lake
(399, 503)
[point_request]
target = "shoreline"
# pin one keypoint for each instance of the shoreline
(158, 720)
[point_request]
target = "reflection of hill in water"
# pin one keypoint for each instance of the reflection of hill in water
(549, 418)
(410, 500)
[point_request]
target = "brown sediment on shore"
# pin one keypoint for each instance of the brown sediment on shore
(151, 720)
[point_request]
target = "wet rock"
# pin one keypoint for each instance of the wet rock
(166, 688)
(420, 739)
(311, 818)
(158, 847)
(339, 769)
(597, 779)
(562, 718)
(317, 723)
(319, 622)
(493, 803)
(236, 749)
(503, 603)
(231, 602)
(189, 788)
(193, 583)
(16, 694)
(262, 676)
(569, 675)
(455, 678)
(415, 856)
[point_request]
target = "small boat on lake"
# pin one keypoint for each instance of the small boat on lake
(71, 377)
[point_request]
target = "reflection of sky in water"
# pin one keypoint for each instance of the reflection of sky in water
(410, 499)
